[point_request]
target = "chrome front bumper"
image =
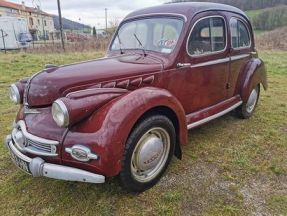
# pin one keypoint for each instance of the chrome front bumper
(38, 167)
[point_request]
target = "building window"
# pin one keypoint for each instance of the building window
(45, 23)
(38, 22)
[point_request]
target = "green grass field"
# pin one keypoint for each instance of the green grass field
(230, 166)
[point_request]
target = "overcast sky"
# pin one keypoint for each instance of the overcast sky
(92, 12)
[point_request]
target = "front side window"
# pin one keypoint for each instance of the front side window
(155, 34)
(240, 37)
(208, 35)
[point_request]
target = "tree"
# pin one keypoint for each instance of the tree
(114, 23)
(94, 32)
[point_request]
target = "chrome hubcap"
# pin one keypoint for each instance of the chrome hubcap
(150, 154)
(252, 101)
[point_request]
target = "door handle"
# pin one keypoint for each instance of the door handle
(181, 65)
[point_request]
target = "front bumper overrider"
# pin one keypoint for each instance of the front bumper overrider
(38, 167)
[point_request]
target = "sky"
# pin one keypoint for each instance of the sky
(92, 12)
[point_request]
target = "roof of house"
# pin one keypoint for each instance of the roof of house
(187, 9)
(7, 4)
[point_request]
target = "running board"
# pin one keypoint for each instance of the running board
(210, 118)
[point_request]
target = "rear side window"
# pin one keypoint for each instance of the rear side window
(208, 35)
(240, 37)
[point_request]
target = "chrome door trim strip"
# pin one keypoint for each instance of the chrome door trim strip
(213, 62)
(219, 61)
(237, 57)
(202, 121)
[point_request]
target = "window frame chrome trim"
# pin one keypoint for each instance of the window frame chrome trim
(142, 16)
(156, 14)
(211, 53)
(217, 115)
(245, 24)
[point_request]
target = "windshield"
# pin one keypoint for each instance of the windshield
(156, 34)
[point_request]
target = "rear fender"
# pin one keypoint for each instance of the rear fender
(255, 74)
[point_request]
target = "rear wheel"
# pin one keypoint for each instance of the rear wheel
(246, 110)
(147, 153)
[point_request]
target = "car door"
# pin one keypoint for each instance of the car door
(207, 57)
(241, 48)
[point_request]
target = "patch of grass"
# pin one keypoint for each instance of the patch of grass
(168, 202)
(221, 158)
(276, 167)
(278, 203)
(224, 210)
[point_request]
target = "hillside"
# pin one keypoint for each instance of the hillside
(69, 24)
(244, 4)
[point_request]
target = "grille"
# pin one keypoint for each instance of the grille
(27, 142)
(39, 146)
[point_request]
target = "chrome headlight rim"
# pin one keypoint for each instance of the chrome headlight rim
(14, 90)
(64, 111)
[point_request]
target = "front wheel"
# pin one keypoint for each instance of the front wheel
(147, 153)
(246, 110)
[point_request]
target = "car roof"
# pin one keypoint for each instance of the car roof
(186, 9)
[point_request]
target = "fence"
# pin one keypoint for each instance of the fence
(52, 46)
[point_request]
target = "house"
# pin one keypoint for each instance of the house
(40, 23)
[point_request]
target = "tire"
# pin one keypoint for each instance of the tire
(246, 110)
(147, 154)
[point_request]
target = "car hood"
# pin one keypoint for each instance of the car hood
(50, 84)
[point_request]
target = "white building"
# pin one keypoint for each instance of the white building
(40, 23)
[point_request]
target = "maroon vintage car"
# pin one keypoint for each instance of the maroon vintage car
(168, 69)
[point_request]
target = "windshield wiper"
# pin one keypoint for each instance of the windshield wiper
(120, 42)
(143, 49)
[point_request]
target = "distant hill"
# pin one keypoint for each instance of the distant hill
(69, 24)
(243, 4)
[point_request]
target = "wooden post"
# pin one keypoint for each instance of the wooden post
(61, 25)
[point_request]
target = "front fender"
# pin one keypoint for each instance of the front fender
(107, 130)
(255, 73)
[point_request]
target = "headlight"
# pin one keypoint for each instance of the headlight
(14, 94)
(60, 113)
